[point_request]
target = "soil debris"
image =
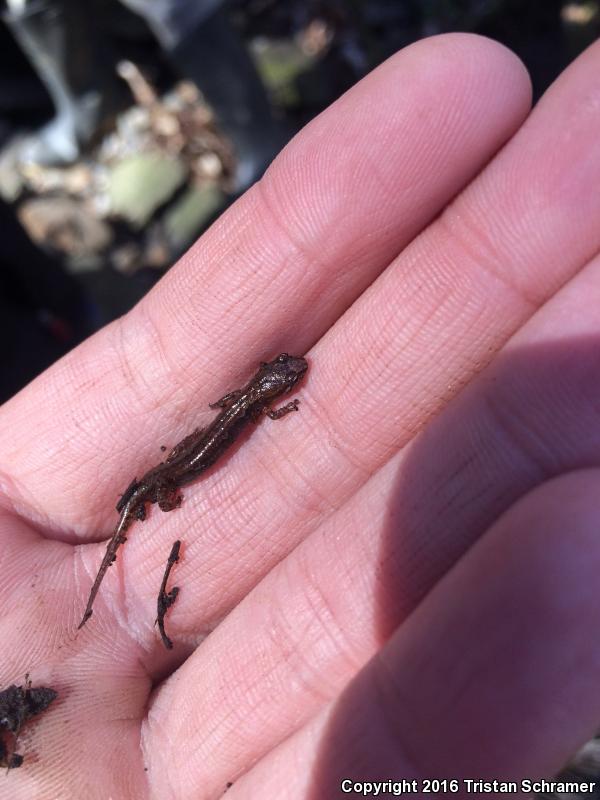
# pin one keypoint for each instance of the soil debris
(17, 705)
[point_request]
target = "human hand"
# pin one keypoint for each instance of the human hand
(400, 580)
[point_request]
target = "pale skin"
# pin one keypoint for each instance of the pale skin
(398, 581)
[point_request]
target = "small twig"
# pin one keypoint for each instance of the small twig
(166, 599)
(141, 89)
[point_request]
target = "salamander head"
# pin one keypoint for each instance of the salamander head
(280, 375)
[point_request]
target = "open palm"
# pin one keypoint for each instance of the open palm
(399, 581)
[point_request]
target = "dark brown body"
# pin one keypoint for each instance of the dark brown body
(201, 449)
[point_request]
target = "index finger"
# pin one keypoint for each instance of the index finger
(273, 273)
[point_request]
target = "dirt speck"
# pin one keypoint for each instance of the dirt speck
(18, 704)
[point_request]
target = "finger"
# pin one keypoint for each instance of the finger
(283, 263)
(393, 360)
(443, 309)
(480, 681)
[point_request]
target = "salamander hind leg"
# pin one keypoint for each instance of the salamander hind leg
(168, 498)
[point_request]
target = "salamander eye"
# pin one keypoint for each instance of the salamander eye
(283, 357)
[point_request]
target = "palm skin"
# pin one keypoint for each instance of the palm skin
(397, 582)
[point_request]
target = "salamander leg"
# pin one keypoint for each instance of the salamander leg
(185, 444)
(278, 413)
(227, 399)
(168, 499)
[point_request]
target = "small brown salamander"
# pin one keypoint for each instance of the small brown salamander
(199, 451)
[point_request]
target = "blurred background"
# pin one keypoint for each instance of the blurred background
(128, 126)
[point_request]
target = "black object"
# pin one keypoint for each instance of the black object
(63, 43)
(43, 311)
(215, 58)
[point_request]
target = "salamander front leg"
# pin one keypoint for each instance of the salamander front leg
(184, 445)
(278, 413)
(227, 400)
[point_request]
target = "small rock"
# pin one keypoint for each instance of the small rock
(64, 224)
(126, 259)
(209, 165)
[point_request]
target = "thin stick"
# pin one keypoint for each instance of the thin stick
(166, 599)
